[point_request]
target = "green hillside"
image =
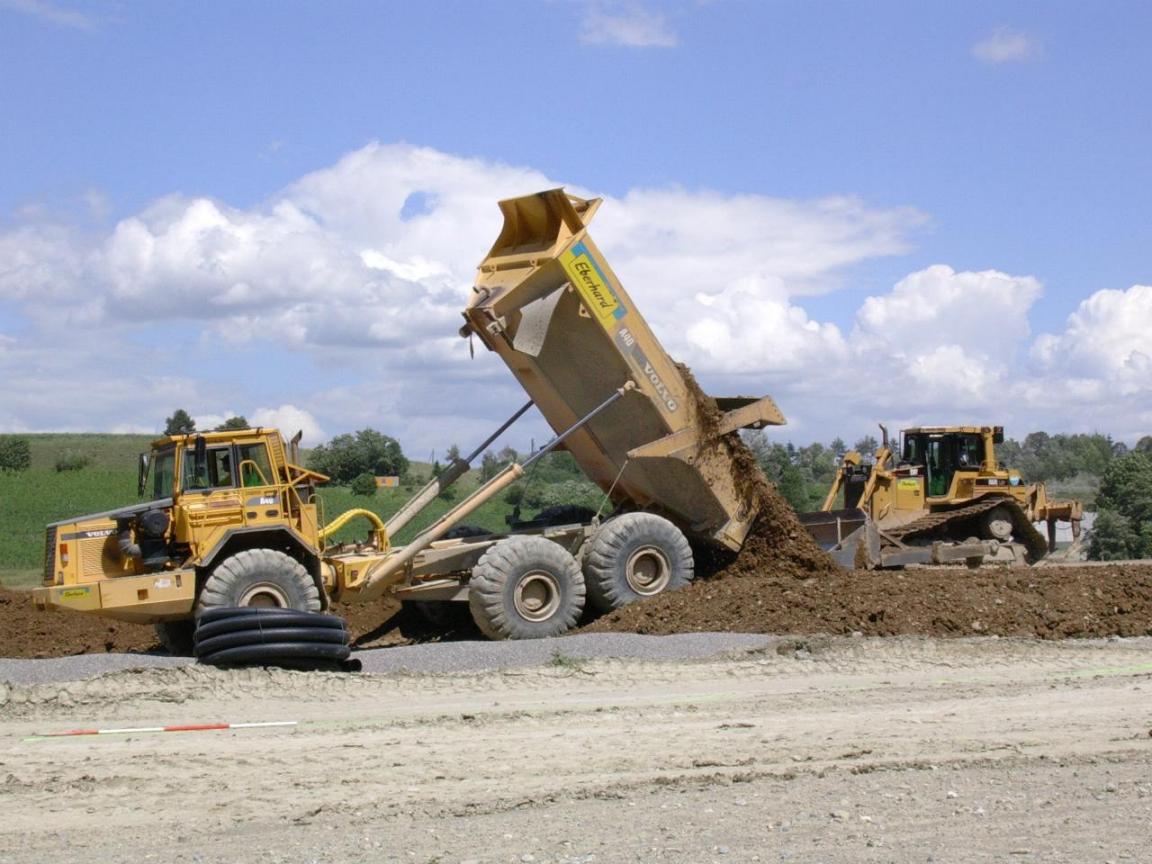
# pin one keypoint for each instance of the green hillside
(112, 452)
(31, 499)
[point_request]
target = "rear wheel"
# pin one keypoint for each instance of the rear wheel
(634, 556)
(263, 578)
(525, 588)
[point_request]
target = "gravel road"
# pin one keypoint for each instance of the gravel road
(824, 749)
(438, 657)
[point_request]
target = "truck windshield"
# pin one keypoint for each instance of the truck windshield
(163, 470)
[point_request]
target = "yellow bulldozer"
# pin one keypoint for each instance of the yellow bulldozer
(939, 496)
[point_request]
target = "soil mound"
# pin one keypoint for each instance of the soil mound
(25, 631)
(1048, 602)
(28, 632)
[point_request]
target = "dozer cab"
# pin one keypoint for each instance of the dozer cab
(231, 519)
(939, 496)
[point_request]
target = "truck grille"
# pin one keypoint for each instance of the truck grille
(50, 557)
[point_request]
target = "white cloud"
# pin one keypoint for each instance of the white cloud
(625, 22)
(986, 312)
(744, 328)
(50, 12)
(1006, 45)
(335, 306)
(1106, 338)
(289, 420)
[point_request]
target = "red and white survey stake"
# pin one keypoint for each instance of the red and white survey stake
(187, 727)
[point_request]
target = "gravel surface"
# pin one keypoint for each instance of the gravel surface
(437, 657)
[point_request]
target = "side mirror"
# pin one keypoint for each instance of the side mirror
(142, 474)
(997, 434)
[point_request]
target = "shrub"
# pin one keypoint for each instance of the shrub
(179, 423)
(1123, 527)
(72, 462)
(15, 455)
(364, 484)
(367, 452)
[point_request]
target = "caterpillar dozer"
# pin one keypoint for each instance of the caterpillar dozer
(941, 497)
(231, 519)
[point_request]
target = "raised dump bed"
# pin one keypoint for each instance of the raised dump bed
(548, 303)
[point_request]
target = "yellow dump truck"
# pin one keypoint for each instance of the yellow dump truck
(231, 519)
(939, 496)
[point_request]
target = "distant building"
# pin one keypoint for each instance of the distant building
(389, 482)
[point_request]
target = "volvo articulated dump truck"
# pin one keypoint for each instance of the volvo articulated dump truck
(231, 519)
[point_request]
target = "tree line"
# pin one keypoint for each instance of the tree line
(1119, 477)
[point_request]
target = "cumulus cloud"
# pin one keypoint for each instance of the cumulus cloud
(364, 267)
(335, 305)
(1106, 338)
(986, 312)
(1006, 45)
(289, 420)
(631, 24)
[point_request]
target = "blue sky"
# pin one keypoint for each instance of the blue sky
(1007, 137)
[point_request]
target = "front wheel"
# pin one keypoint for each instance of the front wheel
(525, 587)
(264, 578)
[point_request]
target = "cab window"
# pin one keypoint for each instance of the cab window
(969, 457)
(218, 469)
(914, 450)
(163, 473)
(253, 465)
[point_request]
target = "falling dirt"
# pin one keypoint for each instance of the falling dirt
(777, 542)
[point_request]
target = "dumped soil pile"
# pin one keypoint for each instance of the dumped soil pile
(1048, 602)
(25, 631)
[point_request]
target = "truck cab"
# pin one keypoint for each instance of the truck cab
(205, 497)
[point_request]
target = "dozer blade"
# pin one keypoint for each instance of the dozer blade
(848, 536)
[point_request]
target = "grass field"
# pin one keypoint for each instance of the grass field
(32, 499)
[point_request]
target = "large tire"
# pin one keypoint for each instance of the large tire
(525, 588)
(176, 636)
(261, 578)
(634, 556)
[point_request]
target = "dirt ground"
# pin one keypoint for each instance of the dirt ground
(1048, 602)
(825, 749)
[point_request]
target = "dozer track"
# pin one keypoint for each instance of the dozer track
(1023, 531)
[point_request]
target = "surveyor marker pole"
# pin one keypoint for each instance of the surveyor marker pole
(184, 727)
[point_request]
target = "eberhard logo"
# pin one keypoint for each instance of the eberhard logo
(590, 282)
